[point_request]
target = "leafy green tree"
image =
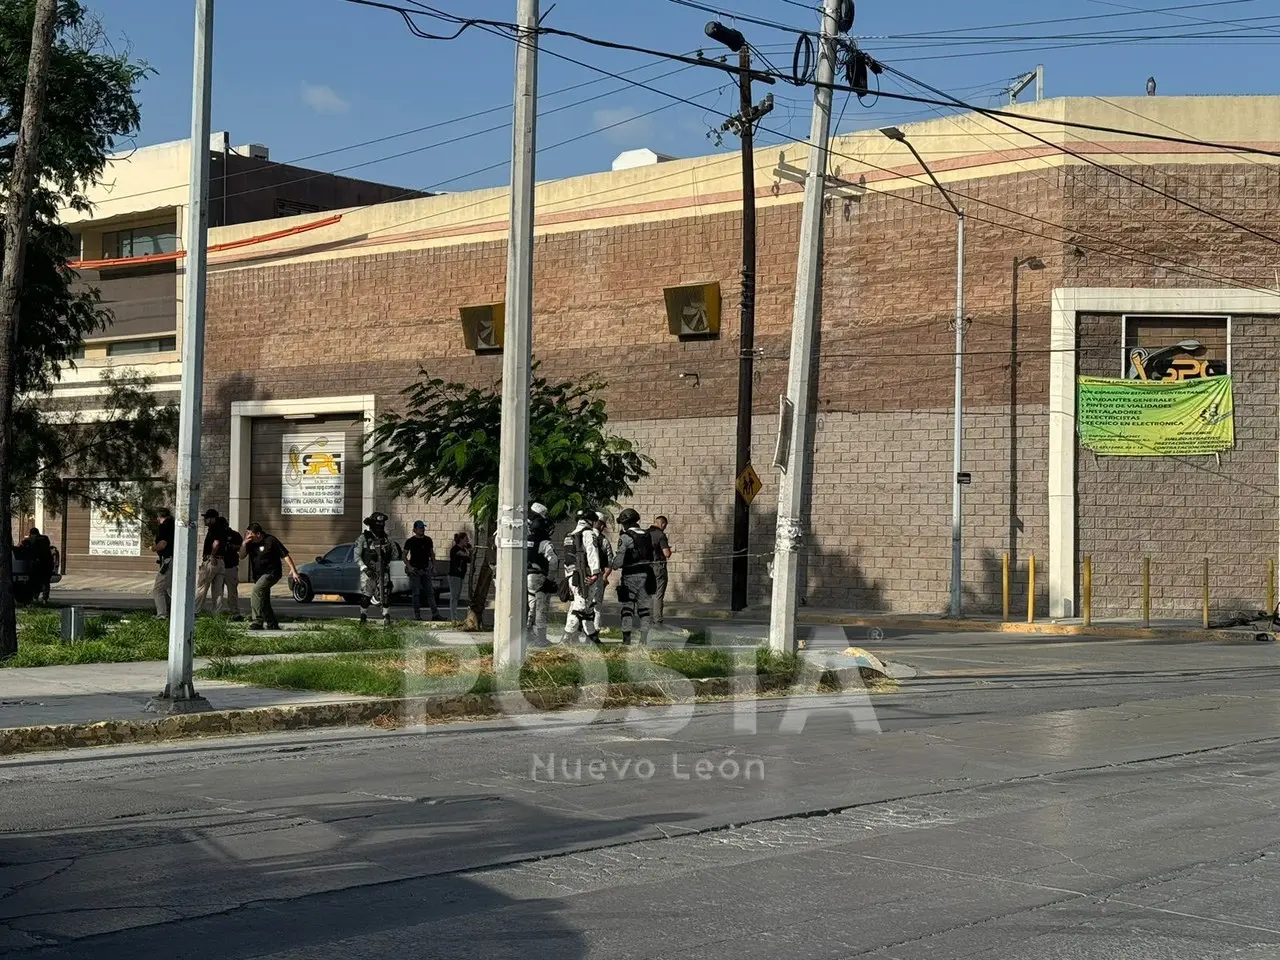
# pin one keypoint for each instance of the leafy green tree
(445, 446)
(89, 108)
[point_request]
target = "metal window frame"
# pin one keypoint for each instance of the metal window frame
(1124, 331)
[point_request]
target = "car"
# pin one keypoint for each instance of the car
(338, 573)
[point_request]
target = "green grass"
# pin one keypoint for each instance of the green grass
(463, 670)
(134, 636)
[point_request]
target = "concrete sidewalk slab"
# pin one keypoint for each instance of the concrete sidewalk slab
(88, 693)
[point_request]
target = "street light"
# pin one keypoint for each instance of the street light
(1031, 263)
(958, 479)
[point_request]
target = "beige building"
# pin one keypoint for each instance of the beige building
(130, 248)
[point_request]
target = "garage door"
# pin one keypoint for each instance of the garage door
(102, 544)
(305, 481)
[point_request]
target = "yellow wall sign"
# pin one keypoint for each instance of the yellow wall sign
(1155, 418)
(749, 483)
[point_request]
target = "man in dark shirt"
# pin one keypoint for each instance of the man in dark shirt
(219, 566)
(661, 554)
(459, 563)
(39, 553)
(420, 565)
(267, 557)
(162, 587)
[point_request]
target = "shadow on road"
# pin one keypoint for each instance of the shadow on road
(394, 875)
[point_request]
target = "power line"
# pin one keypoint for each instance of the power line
(1101, 166)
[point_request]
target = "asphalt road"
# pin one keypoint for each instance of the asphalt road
(1061, 803)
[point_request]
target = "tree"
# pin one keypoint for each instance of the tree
(88, 105)
(446, 446)
(124, 438)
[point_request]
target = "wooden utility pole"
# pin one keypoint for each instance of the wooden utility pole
(17, 219)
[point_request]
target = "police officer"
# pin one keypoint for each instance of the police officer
(635, 554)
(585, 567)
(540, 579)
(375, 551)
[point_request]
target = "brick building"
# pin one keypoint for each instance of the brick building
(307, 337)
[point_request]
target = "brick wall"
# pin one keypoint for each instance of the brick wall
(882, 472)
(1180, 510)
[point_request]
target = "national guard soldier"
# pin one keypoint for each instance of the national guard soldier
(585, 567)
(635, 555)
(375, 551)
(541, 574)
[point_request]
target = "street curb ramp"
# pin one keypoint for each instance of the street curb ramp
(391, 712)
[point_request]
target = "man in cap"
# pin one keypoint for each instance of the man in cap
(542, 570)
(420, 565)
(375, 551)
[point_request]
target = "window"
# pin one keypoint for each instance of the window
(78, 352)
(128, 348)
(1176, 347)
(340, 554)
(292, 208)
(139, 242)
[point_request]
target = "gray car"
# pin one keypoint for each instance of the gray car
(338, 573)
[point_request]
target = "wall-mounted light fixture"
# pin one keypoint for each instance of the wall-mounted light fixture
(697, 380)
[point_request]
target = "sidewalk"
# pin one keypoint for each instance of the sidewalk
(1184, 630)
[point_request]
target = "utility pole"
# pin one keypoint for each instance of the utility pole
(26, 167)
(958, 479)
(511, 605)
(744, 124)
(794, 450)
(179, 694)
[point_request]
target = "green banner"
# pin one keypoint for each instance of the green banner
(1156, 418)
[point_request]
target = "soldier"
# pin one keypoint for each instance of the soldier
(375, 552)
(541, 574)
(635, 554)
(585, 566)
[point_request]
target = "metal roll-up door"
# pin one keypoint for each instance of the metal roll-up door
(294, 491)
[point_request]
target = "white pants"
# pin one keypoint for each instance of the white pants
(584, 611)
(539, 609)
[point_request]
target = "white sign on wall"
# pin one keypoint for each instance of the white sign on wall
(312, 477)
(113, 534)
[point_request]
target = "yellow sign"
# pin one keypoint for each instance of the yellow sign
(749, 483)
(1156, 418)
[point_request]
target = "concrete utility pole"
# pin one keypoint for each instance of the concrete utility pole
(179, 694)
(794, 450)
(744, 124)
(958, 479)
(511, 606)
(26, 167)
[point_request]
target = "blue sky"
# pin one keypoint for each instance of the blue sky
(310, 77)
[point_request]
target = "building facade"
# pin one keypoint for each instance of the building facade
(130, 249)
(1080, 243)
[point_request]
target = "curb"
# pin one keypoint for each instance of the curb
(939, 625)
(400, 711)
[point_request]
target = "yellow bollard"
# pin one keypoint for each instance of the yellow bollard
(1206, 593)
(1271, 587)
(1031, 589)
(1088, 590)
(1146, 591)
(1006, 588)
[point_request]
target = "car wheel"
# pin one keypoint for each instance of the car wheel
(302, 590)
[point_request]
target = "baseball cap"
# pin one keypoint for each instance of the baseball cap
(211, 514)
(419, 525)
